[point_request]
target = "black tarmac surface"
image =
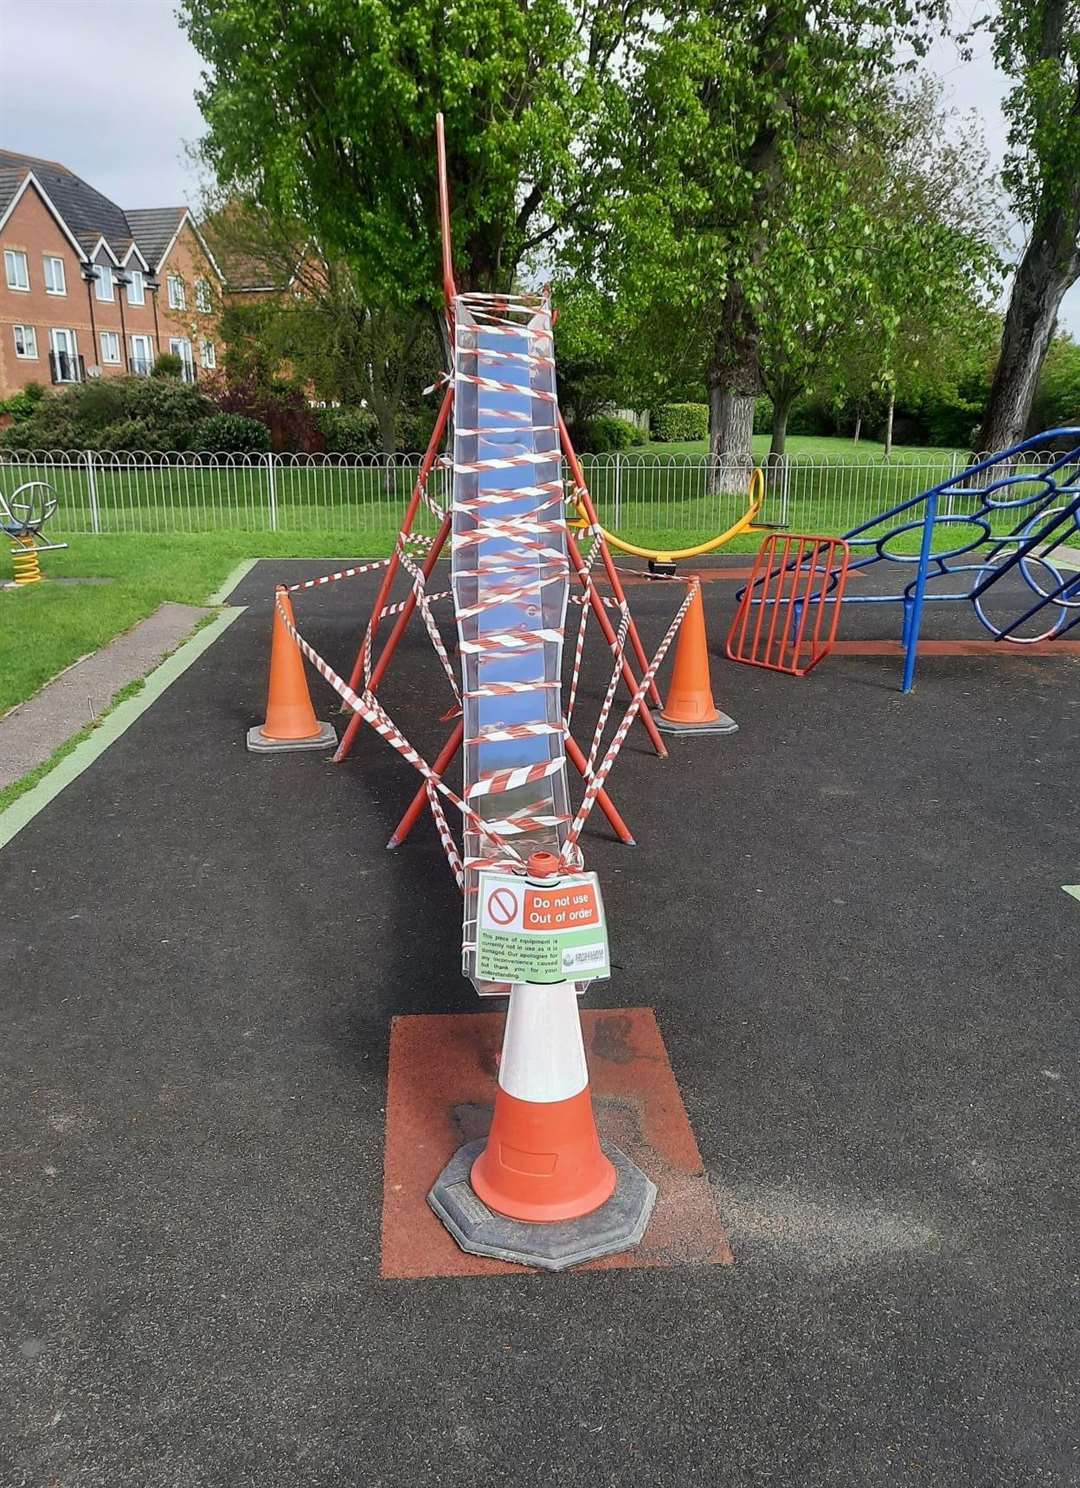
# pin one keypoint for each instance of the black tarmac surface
(849, 918)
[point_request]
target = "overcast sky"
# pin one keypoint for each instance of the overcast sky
(106, 87)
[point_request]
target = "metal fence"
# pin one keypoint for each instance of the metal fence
(643, 496)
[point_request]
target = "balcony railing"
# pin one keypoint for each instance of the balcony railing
(188, 372)
(141, 366)
(66, 366)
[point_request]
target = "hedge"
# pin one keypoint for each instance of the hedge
(678, 422)
(231, 434)
(605, 433)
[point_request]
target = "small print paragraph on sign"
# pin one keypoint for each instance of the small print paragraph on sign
(541, 933)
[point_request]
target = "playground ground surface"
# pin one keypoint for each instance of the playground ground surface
(849, 921)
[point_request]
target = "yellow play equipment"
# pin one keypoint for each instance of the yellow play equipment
(21, 519)
(744, 524)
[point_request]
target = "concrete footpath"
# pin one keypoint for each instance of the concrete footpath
(31, 731)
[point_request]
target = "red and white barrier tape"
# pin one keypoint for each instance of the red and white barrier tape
(373, 713)
(595, 785)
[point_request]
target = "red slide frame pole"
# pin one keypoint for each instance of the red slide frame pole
(406, 527)
(385, 656)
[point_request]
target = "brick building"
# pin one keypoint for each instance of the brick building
(88, 289)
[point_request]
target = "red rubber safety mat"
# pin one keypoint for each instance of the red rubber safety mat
(440, 1094)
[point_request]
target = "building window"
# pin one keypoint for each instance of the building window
(208, 355)
(110, 347)
(136, 287)
(177, 297)
(103, 286)
(55, 278)
(203, 301)
(142, 356)
(182, 348)
(25, 342)
(64, 359)
(16, 269)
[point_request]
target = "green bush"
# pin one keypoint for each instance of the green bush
(230, 434)
(679, 422)
(606, 433)
(414, 430)
(167, 364)
(349, 431)
(22, 404)
(815, 415)
(128, 436)
(114, 413)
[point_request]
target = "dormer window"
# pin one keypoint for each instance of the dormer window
(103, 281)
(136, 287)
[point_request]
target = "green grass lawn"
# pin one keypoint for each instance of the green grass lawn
(813, 447)
(48, 626)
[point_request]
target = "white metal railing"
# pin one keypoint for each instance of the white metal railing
(650, 497)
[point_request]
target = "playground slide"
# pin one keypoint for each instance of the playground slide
(510, 579)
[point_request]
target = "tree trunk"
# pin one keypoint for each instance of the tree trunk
(386, 416)
(781, 412)
(731, 419)
(889, 425)
(734, 379)
(1048, 268)
(858, 428)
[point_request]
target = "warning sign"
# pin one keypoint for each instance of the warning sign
(530, 932)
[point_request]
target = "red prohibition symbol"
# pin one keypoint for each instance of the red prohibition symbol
(502, 906)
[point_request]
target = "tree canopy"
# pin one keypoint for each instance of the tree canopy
(733, 198)
(325, 113)
(735, 119)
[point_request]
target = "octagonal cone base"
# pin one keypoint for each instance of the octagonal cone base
(723, 723)
(617, 1225)
(258, 743)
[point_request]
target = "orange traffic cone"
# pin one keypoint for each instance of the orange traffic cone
(290, 718)
(549, 1194)
(690, 708)
(543, 1160)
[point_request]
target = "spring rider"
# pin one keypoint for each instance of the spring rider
(22, 518)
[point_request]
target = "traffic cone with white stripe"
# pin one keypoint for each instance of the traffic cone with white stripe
(290, 718)
(550, 1194)
(543, 1160)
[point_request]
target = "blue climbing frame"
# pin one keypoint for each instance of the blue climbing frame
(1044, 508)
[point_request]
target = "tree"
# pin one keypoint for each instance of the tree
(817, 281)
(333, 340)
(589, 361)
(1057, 398)
(1037, 42)
(712, 145)
(608, 357)
(874, 280)
(325, 114)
